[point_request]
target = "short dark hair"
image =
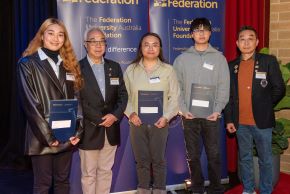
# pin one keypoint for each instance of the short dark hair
(244, 28)
(198, 22)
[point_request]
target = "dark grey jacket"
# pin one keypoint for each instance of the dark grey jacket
(264, 98)
(95, 106)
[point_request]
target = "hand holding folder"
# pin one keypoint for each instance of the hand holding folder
(150, 106)
(62, 118)
(202, 100)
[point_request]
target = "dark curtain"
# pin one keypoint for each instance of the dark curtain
(29, 15)
(20, 20)
(7, 55)
(238, 13)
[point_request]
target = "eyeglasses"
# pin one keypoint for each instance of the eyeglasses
(200, 30)
(96, 42)
(153, 46)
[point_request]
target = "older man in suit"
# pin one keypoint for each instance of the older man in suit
(256, 87)
(104, 99)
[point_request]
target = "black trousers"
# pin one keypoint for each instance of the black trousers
(209, 132)
(51, 170)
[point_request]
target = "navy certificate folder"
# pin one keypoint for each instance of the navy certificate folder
(62, 118)
(150, 106)
(202, 100)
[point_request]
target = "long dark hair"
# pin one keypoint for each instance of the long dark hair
(139, 52)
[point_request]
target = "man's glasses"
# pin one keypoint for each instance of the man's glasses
(96, 42)
(200, 30)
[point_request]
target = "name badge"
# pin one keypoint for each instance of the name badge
(261, 75)
(114, 81)
(154, 80)
(147, 110)
(200, 103)
(70, 77)
(208, 66)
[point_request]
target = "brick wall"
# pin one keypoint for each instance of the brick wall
(280, 29)
(280, 47)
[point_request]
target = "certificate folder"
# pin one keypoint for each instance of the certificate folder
(62, 118)
(150, 106)
(202, 100)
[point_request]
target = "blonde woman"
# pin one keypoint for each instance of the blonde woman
(48, 71)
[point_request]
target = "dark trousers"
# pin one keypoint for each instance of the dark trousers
(51, 167)
(209, 132)
(149, 144)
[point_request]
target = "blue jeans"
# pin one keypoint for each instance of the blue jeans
(247, 135)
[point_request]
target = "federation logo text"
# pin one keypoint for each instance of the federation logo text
(118, 2)
(186, 4)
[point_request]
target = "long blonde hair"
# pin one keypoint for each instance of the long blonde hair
(66, 52)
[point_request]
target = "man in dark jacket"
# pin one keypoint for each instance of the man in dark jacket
(256, 87)
(104, 99)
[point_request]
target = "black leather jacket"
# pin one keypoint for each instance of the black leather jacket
(38, 85)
